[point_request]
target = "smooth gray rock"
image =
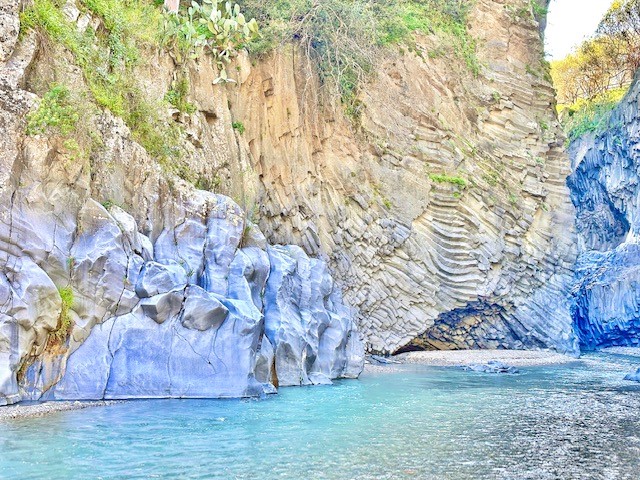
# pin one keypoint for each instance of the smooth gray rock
(202, 311)
(156, 278)
(382, 360)
(248, 273)
(304, 323)
(133, 357)
(146, 329)
(163, 306)
(29, 309)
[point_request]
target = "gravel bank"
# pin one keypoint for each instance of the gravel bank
(39, 409)
(458, 358)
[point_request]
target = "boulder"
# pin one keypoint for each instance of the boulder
(633, 376)
(492, 366)
(156, 278)
(202, 310)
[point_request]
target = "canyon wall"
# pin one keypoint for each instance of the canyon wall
(440, 213)
(121, 280)
(604, 188)
(444, 211)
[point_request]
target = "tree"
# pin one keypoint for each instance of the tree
(621, 26)
(606, 62)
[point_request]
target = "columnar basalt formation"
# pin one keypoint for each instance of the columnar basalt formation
(604, 188)
(444, 210)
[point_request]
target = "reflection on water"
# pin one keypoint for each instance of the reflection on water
(577, 421)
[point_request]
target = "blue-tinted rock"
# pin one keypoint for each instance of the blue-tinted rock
(633, 376)
(202, 311)
(305, 322)
(180, 318)
(163, 306)
(156, 278)
(134, 357)
(493, 366)
(605, 189)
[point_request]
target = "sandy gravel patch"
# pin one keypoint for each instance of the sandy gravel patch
(453, 358)
(38, 409)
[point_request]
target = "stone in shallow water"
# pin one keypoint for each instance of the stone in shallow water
(491, 367)
(633, 376)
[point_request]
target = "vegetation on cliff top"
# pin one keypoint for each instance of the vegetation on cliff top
(591, 81)
(344, 37)
(108, 56)
(215, 27)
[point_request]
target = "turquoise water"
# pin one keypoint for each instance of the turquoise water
(578, 421)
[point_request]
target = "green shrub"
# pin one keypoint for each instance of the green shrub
(589, 116)
(441, 178)
(213, 26)
(344, 37)
(65, 323)
(56, 113)
(239, 126)
(177, 96)
(538, 9)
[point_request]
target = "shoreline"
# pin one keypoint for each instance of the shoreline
(18, 411)
(434, 358)
(461, 358)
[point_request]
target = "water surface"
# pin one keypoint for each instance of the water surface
(577, 421)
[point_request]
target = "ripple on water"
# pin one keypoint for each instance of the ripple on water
(573, 421)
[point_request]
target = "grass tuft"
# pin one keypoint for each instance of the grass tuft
(56, 113)
(441, 178)
(65, 323)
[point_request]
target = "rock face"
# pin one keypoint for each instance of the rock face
(604, 188)
(444, 211)
(172, 294)
(633, 376)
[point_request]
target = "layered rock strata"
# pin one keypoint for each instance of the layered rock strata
(441, 211)
(444, 210)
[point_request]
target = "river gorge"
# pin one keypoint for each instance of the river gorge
(195, 215)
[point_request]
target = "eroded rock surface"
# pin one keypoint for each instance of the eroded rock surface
(605, 189)
(156, 290)
(442, 214)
